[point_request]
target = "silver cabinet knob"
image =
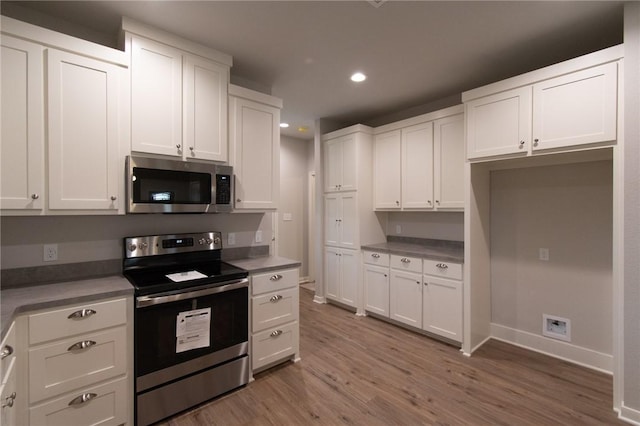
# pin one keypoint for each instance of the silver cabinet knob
(81, 345)
(429, 202)
(375, 255)
(6, 351)
(276, 333)
(405, 260)
(442, 266)
(238, 200)
(85, 397)
(190, 148)
(8, 401)
(113, 198)
(397, 203)
(178, 146)
(535, 142)
(437, 201)
(132, 247)
(82, 313)
(521, 144)
(34, 196)
(275, 298)
(276, 277)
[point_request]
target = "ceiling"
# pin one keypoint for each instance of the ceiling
(418, 55)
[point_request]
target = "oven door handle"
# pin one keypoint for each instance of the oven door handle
(143, 301)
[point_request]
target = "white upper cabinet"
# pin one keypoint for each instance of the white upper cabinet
(567, 106)
(255, 148)
(387, 169)
(419, 163)
(178, 95)
(22, 143)
(576, 109)
(448, 164)
(341, 164)
(83, 132)
(156, 98)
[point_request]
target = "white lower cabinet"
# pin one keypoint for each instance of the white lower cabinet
(10, 395)
(442, 307)
(274, 318)
(342, 275)
(80, 371)
(406, 297)
(376, 284)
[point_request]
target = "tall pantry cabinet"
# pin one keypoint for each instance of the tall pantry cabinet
(349, 219)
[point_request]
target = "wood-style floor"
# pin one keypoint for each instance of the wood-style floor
(362, 371)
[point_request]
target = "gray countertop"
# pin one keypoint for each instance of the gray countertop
(445, 251)
(30, 298)
(264, 264)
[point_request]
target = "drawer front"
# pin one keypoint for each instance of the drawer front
(60, 367)
(78, 319)
(8, 349)
(274, 280)
(107, 405)
(272, 309)
(273, 344)
(443, 269)
(375, 258)
(406, 263)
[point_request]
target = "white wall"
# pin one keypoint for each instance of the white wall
(433, 225)
(293, 228)
(91, 238)
(567, 209)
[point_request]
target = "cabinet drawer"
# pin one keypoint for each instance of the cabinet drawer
(273, 344)
(78, 319)
(108, 405)
(272, 309)
(8, 349)
(375, 258)
(443, 269)
(406, 263)
(274, 280)
(59, 367)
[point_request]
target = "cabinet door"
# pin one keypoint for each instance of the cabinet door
(256, 160)
(449, 162)
(22, 138)
(83, 130)
(576, 109)
(349, 277)
(156, 98)
(348, 221)
(332, 165)
(387, 170)
(9, 397)
(405, 297)
(376, 287)
(349, 162)
(417, 166)
(331, 217)
(442, 307)
(332, 272)
(205, 109)
(499, 124)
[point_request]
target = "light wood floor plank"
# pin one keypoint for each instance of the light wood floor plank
(363, 371)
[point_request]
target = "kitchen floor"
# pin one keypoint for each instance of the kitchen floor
(362, 371)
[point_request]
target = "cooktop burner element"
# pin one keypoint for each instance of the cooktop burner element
(174, 262)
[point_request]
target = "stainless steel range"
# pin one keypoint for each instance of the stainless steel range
(191, 322)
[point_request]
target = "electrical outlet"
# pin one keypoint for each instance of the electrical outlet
(543, 254)
(231, 239)
(258, 236)
(398, 229)
(50, 252)
(556, 327)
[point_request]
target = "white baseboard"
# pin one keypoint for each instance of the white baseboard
(319, 299)
(476, 347)
(566, 351)
(629, 415)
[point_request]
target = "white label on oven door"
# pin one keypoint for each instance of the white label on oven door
(192, 329)
(185, 276)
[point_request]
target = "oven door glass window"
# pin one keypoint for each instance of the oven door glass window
(156, 339)
(170, 186)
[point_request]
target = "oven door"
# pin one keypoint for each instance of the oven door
(180, 334)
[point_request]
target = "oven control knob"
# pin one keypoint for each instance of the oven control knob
(132, 247)
(201, 241)
(209, 241)
(143, 246)
(216, 240)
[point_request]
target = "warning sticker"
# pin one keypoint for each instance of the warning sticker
(192, 329)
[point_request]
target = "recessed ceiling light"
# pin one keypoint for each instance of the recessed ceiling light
(284, 125)
(358, 77)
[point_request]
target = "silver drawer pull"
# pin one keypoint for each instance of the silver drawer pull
(85, 397)
(276, 333)
(6, 351)
(275, 277)
(375, 256)
(82, 313)
(81, 345)
(8, 401)
(275, 298)
(405, 260)
(442, 266)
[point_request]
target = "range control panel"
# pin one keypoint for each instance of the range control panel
(153, 245)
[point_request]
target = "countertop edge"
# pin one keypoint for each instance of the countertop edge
(423, 252)
(264, 264)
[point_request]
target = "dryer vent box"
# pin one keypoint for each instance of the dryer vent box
(556, 327)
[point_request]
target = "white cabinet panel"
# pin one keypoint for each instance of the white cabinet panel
(387, 170)
(274, 308)
(205, 109)
(342, 275)
(376, 286)
(272, 345)
(405, 297)
(442, 307)
(417, 166)
(341, 164)
(332, 272)
(332, 213)
(449, 158)
(499, 124)
(83, 132)
(9, 396)
(341, 220)
(22, 138)
(576, 109)
(156, 98)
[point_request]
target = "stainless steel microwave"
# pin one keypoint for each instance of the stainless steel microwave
(171, 186)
